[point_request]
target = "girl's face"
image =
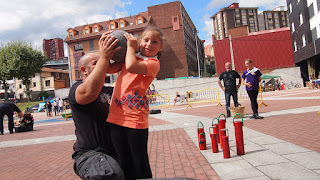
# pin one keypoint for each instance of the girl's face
(150, 44)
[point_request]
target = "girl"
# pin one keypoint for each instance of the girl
(129, 108)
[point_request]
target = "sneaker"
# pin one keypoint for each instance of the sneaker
(259, 117)
(253, 117)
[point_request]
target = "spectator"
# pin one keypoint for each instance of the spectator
(230, 87)
(177, 98)
(263, 85)
(251, 78)
(55, 107)
(60, 104)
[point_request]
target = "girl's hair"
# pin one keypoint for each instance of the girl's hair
(160, 33)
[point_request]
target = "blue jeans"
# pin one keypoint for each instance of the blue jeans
(227, 96)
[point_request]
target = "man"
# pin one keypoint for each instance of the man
(89, 100)
(251, 78)
(8, 109)
(230, 87)
(55, 107)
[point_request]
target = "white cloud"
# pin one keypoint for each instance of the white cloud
(208, 28)
(35, 20)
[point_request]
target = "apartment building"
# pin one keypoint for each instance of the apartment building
(304, 19)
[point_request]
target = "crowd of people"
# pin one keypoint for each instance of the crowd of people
(56, 106)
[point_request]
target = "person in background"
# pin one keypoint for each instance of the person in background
(55, 107)
(177, 98)
(251, 78)
(8, 109)
(60, 104)
(230, 87)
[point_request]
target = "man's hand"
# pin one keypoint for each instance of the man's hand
(223, 88)
(238, 86)
(106, 45)
(20, 114)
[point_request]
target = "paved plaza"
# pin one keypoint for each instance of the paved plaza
(283, 145)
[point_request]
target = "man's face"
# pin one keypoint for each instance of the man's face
(228, 66)
(91, 63)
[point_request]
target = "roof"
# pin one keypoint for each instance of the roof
(105, 24)
(45, 69)
(269, 31)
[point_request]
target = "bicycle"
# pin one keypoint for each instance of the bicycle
(293, 85)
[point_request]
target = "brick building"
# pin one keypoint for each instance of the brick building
(53, 48)
(304, 17)
(179, 54)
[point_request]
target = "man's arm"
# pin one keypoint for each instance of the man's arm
(222, 87)
(239, 84)
(89, 90)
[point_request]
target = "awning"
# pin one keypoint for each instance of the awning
(265, 76)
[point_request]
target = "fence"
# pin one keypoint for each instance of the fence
(203, 96)
(159, 100)
(243, 95)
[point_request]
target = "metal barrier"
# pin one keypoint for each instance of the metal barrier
(243, 95)
(159, 100)
(203, 96)
(67, 112)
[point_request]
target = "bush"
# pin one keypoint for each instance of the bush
(44, 94)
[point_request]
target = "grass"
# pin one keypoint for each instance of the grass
(23, 105)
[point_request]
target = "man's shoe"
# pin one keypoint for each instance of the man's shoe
(1, 133)
(11, 132)
(228, 115)
(253, 117)
(259, 117)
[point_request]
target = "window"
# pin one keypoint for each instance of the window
(311, 11)
(139, 21)
(78, 47)
(244, 22)
(121, 24)
(301, 18)
(70, 34)
(112, 26)
(20, 86)
(48, 83)
(318, 4)
(314, 34)
(292, 27)
(86, 31)
(95, 29)
(289, 8)
(91, 44)
(34, 84)
(298, 1)
(303, 38)
(294, 46)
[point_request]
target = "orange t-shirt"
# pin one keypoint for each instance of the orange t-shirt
(129, 104)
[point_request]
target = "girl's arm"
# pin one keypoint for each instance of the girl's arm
(132, 64)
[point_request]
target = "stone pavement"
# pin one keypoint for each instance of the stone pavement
(284, 145)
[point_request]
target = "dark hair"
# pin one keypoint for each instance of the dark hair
(160, 33)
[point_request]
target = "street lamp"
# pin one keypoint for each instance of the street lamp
(195, 35)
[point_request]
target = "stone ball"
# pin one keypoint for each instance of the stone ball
(121, 54)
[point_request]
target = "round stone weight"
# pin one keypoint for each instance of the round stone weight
(121, 54)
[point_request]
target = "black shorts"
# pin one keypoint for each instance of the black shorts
(94, 164)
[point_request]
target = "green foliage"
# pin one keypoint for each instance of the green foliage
(20, 60)
(44, 94)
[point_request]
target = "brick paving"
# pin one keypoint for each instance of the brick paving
(172, 153)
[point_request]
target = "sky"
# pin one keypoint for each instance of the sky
(34, 20)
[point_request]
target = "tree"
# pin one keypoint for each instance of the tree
(22, 61)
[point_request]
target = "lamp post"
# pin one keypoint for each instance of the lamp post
(195, 35)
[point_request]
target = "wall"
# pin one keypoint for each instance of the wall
(268, 51)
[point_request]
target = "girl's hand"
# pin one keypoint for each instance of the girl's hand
(131, 41)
